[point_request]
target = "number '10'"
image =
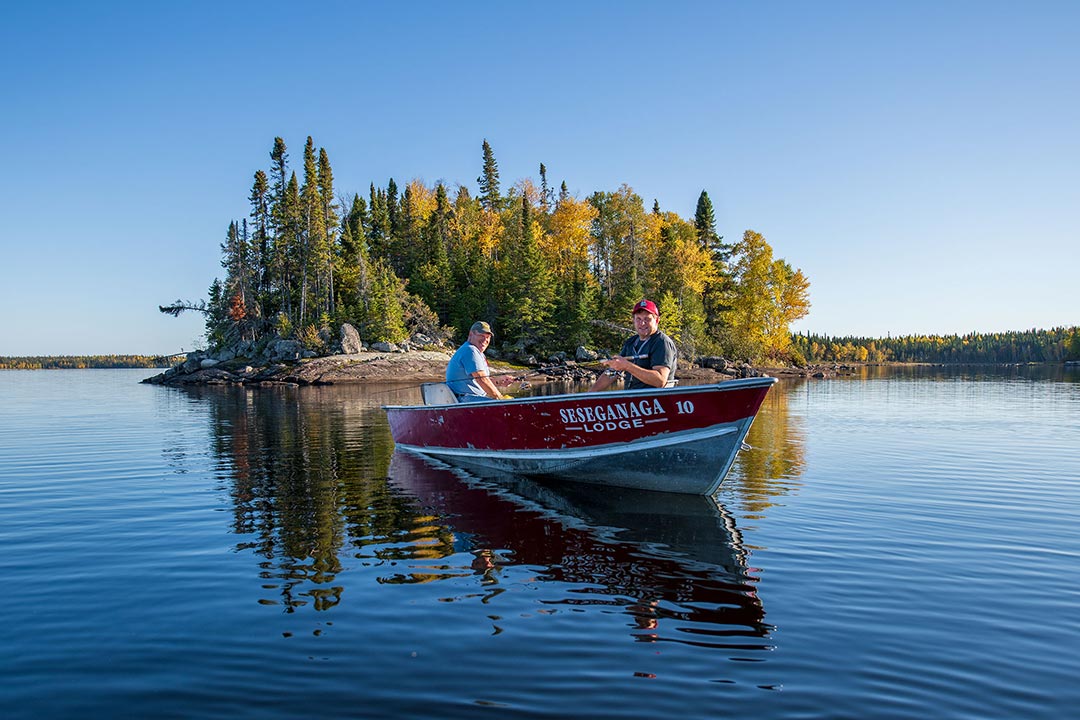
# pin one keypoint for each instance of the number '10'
(684, 407)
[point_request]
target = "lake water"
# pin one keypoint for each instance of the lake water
(896, 545)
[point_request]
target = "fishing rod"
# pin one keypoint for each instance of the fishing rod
(629, 331)
(522, 377)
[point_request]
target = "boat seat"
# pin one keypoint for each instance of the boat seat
(438, 394)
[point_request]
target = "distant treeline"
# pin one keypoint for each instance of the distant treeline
(549, 271)
(1056, 345)
(81, 362)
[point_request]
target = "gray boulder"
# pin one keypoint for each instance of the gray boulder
(350, 340)
(286, 351)
(584, 354)
(193, 362)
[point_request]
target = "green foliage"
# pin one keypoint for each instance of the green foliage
(283, 325)
(543, 269)
(1072, 345)
(489, 181)
(310, 339)
(385, 317)
(80, 362)
(530, 290)
(1054, 345)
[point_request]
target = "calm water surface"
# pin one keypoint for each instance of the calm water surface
(903, 545)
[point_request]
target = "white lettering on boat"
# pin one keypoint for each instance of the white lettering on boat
(612, 416)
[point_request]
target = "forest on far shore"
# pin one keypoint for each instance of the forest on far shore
(81, 362)
(1027, 346)
(1055, 345)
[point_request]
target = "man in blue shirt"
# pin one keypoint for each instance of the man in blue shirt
(468, 373)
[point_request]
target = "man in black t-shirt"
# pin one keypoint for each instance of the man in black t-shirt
(647, 359)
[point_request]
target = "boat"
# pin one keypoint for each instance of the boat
(677, 439)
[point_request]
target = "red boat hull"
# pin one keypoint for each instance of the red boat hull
(680, 439)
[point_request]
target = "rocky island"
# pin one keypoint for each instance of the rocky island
(278, 361)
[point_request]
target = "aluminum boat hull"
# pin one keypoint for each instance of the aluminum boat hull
(681, 439)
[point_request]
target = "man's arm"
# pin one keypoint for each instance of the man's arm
(656, 376)
(488, 387)
(603, 382)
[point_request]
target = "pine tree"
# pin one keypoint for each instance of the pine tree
(705, 222)
(260, 241)
(289, 250)
(330, 223)
(489, 181)
(384, 313)
(314, 250)
(433, 280)
(279, 171)
(545, 191)
(531, 292)
(379, 230)
(718, 288)
(392, 205)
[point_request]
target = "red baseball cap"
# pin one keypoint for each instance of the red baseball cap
(646, 305)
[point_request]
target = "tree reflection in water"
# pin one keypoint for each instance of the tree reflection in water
(315, 483)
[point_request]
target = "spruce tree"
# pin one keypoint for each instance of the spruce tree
(392, 205)
(314, 252)
(489, 181)
(279, 171)
(717, 293)
(330, 224)
(531, 291)
(545, 191)
(705, 223)
(260, 241)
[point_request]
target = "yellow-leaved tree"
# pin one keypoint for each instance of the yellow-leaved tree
(567, 248)
(767, 295)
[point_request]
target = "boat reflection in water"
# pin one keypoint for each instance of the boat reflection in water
(674, 563)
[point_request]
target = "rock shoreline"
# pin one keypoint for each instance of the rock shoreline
(400, 366)
(275, 361)
(365, 366)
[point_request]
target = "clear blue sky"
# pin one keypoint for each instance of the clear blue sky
(920, 161)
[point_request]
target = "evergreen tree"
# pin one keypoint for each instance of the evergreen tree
(432, 281)
(279, 173)
(489, 181)
(216, 315)
(531, 293)
(545, 191)
(718, 288)
(260, 241)
(392, 206)
(384, 313)
(330, 224)
(379, 230)
(567, 253)
(314, 250)
(353, 261)
(409, 250)
(289, 249)
(705, 222)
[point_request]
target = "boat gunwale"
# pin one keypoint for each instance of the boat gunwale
(722, 386)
